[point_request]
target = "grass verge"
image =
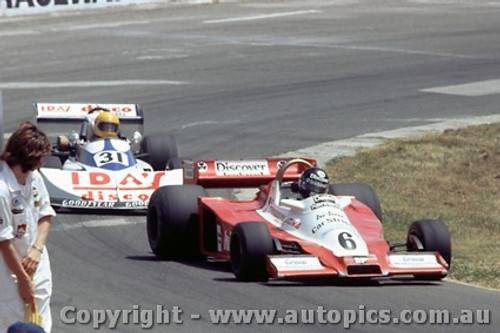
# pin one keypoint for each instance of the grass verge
(453, 176)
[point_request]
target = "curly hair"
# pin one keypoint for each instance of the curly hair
(26, 147)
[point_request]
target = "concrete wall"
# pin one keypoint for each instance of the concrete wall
(29, 7)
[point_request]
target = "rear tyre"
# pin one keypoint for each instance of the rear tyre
(432, 236)
(172, 221)
(159, 148)
(251, 242)
(174, 163)
(362, 192)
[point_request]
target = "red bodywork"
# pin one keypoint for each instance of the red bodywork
(218, 216)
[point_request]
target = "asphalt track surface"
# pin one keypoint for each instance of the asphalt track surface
(249, 80)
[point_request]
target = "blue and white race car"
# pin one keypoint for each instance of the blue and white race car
(118, 169)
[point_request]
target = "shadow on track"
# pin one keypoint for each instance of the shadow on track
(223, 266)
(106, 212)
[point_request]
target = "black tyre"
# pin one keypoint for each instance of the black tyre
(251, 242)
(53, 162)
(174, 163)
(430, 235)
(159, 149)
(362, 192)
(172, 221)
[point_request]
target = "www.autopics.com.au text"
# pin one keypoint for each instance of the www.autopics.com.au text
(161, 315)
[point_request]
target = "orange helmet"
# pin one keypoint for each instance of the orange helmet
(106, 125)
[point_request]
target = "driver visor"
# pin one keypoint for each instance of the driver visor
(108, 127)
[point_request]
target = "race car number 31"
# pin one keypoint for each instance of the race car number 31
(106, 157)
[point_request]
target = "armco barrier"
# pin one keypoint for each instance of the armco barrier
(29, 7)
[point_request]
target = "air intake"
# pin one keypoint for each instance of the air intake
(364, 270)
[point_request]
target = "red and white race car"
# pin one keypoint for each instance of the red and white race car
(276, 235)
(89, 172)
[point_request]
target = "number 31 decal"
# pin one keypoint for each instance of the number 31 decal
(106, 157)
(346, 241)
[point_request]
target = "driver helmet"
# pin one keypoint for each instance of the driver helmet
(106, 125)
(313, 181)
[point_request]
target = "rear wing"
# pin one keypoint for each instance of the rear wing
(60, 118)
(239, 173)
(78, 111)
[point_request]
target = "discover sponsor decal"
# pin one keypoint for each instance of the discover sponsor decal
(242, 168)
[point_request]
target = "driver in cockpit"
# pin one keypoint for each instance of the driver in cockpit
(99, 124)
(313, 181)
(106, 125)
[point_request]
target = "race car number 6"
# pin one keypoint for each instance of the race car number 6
(346, 241)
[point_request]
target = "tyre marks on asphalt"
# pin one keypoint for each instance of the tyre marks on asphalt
(98, 222)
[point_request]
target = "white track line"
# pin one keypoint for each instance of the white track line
(261, 17)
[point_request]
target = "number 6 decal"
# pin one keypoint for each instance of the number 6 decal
(346, 241)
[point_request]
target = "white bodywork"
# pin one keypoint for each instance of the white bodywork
(319, 219)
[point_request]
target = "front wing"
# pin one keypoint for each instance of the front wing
(397, 263)
(105, 189)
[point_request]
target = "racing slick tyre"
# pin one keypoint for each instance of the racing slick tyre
(172, 221)
(159, 148)
(251, 242)
(174, 163)
(430, 235)
(53, 162)
(362, 192)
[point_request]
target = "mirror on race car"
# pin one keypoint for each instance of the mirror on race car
(135, 142)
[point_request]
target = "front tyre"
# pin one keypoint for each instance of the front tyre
(432, 236)
(251, 242)
(172, 221)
